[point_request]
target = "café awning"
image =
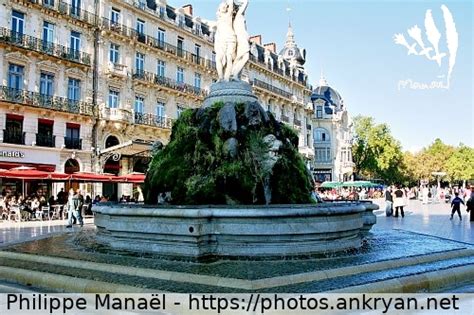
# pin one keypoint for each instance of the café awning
(133, 178)
(93, 177)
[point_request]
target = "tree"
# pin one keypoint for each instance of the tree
(460, 165)
(376, 153)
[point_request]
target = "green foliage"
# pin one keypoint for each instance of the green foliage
(194, 168)
(376, 153)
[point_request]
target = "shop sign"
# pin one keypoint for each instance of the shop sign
(12, 154)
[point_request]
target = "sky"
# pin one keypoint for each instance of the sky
(352, 42)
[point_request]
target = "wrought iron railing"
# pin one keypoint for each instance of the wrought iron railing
(169, 83)
(278, 70)
(29, 98)
(272, 88)
(43, 140)
(13, 136)
(156, 43)
(153, 120)
(73, 143)
(41, 46)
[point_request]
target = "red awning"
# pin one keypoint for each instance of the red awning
(133, 178)
(40, 167)
(93, 177)
(24, 172)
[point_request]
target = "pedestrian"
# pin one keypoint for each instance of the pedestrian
(74, 207)
(470, 206)
(388, 202)
(456, 206)
(424, 194)
(399, 202)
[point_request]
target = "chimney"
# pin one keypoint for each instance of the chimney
(188, 9)
(271, 46)
(257, 39)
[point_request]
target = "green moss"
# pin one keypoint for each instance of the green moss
(194, 168)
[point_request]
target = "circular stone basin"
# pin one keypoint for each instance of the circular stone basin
(223, 231)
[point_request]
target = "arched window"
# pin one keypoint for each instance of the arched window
(321, 135)
(111, 141)
(71, 166)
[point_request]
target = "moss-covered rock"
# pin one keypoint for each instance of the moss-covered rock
(229, 154)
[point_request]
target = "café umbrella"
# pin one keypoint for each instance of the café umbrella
(331, 185)
(25, 173)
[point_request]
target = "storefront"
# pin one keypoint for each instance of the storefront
(39, 158)
(322, 175)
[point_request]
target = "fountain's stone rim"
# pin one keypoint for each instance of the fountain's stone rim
(235, 211)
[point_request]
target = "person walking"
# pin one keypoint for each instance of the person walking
(74, 207)
(470, 206)
(388, 202)
(399, 202)
(456, 206)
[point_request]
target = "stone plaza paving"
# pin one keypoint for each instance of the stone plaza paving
(431, 219)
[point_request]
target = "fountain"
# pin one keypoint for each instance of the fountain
(232, 154)
(240, 216)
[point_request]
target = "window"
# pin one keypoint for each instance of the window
(197, 80)
(18, 23)
(198, 28)
(161, 37)
(142, 4)
(139, 63)
(180, 110)
(74, 90)
(46, 84)
(115, 16)
(114, 99)
(72, 139)
(319, 112)
(197, 53)
(162, 11)
(76, 7)
(323, 155)
(321, 135)
(180, 46)
(161, 68)
(180, 75)
(15, 76)
(75, 43)
(139, 104)
(48, 33)
(114, 53)
(181, 20)
(44, 137)
(13, 132)
(141, 30)
(160, 110)
(49, 3)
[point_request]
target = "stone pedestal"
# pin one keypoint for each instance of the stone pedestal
(233, 91)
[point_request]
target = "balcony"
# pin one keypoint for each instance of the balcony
(13, 136)
(153, 120)
(169, 83)
(157, 44)
(118, 70)
(64, 8)
(297, 122)
(56, 103)
(38, 45)
(273, 89)
(73, 143)
(278, 71)
(285, 118)
(116, 114)
(43, 140)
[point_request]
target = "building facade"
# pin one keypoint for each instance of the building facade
(95, 83)
(332, 134)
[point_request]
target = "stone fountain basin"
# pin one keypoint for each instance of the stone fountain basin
(238, 232)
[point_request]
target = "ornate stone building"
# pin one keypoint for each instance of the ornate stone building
(46, 85)
(332, 132)
(89, 85)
